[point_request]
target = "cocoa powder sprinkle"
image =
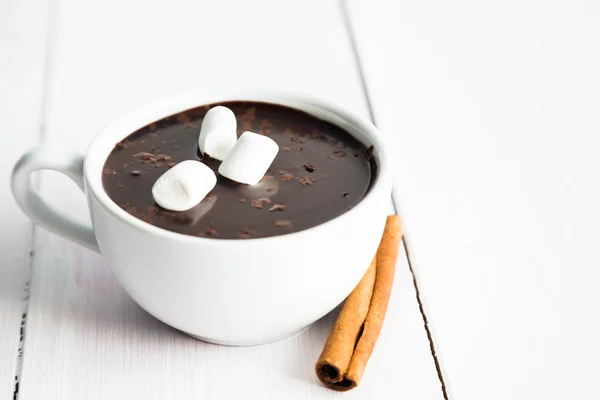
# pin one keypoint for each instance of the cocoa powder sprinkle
(304, 181)
(283, 223)
(338, 154)
(260, 203)
(277, 207)
(309, 167)
(246, 234)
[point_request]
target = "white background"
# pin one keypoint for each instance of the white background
(492, 109)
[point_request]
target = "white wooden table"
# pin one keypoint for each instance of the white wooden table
(492, 109)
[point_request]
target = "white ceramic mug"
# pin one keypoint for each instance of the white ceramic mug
(235, 292)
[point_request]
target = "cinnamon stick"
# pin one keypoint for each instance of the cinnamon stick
(354, 333)
(337, 353)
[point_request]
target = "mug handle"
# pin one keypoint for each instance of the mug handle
(36, 208)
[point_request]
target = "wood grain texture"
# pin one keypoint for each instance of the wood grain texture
(22, 61)
(85, 337)
(494, 109)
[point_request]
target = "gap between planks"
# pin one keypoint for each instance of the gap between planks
(44, 96)
(359, 66)
(24, 309)
(425, 320)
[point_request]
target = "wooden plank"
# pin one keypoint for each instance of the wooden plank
(22, 61)
(85, 337)
(494, 106)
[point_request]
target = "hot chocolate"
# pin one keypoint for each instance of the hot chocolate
(319, 173)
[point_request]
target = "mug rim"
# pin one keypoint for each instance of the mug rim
(110, 135)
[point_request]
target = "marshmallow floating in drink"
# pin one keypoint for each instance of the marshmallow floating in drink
(184, 185)
(249, 159)
(218, 132)
(244, 160)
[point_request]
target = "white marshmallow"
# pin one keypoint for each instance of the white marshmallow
(184, 185)
(218, 132)
(249, 159)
